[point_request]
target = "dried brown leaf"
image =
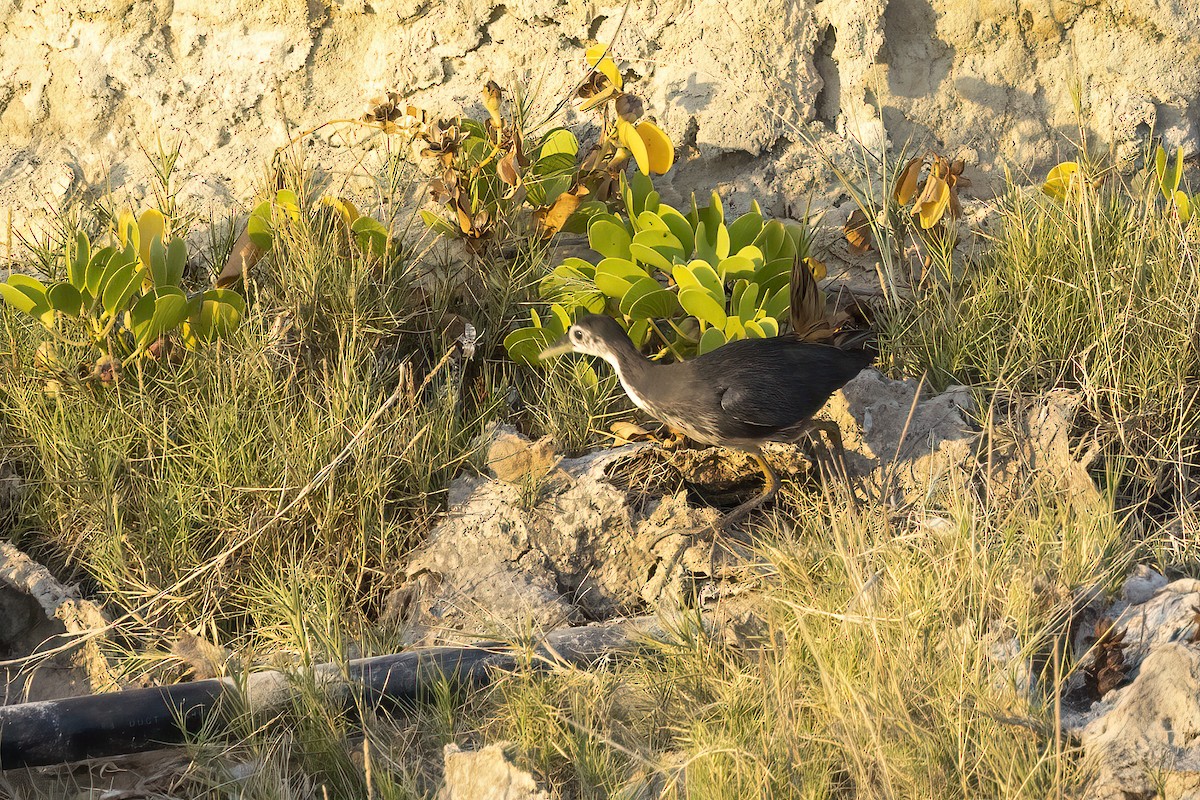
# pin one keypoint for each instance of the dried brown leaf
(1107, 668)
(244, 255)
(627, 432)
(906, 185)
(553, 219)
(858, 232)
(506, 169)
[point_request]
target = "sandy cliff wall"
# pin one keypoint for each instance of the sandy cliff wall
(82, 81)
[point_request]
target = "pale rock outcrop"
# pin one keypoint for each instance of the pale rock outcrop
(758, 94)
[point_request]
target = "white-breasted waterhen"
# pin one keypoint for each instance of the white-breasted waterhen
(743, 394)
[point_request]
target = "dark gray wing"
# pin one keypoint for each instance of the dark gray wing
(801, 378)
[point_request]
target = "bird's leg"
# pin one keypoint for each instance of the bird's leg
(770, 489)
(836, 450)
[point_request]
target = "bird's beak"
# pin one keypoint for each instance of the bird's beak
(563, 345)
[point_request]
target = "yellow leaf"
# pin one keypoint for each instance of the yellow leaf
(1183, 205)
(598, 58)
(659, 150)
(151, 225)
(817, 268)
(906, 185)
(344, 207)
(127, 227)
(597, 99)
(935, 199)
(553, 219)
(1062, 181)
(634, 144)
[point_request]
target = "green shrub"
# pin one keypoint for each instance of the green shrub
(691, 281)
(125, 296)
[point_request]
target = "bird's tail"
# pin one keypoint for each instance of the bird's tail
(846, 328)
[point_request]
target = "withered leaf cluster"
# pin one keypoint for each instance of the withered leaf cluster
(1107, 668)
(387, 112)
(930, 183)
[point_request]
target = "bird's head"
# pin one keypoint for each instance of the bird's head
(596, 335)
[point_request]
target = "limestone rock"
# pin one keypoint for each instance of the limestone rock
(746, 87)
(1141, 584)
(905, 441)
(486, 774)
(507, 555)
(1147, 744)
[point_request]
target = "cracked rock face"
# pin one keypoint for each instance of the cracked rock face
(732, 82)
(1142, 739)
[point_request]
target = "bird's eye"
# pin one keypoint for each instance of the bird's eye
(577, 335)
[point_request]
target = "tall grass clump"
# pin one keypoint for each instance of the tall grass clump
(179, 471)
(1097, 292)
(892, 659)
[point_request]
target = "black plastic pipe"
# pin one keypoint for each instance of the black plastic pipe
(133, 721)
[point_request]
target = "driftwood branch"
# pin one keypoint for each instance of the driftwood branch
(77, 728)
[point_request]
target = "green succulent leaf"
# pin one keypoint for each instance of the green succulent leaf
(679, 226)
(65, 298)
(121, 280)
(559, 141)
(778, 305)
(524, 344)
(555, 164)
(710, 340)
(582, 218)
(1168, 178)
(289, 203)
(635, 189)
(701, 275)
(657, 304)
(746, 301)
(703, 306)
(693, 215)
(98, 264)
(771, 240)
(752, 253)
(609, 239)
(615, 276)
(800, 237)
(735, 268)
(215, 314)
(713, 217)
(167, 263)
(754, 330)
(259, 226)
(156, 313)
(639, 332)
(767, 327)
(543, 191)
(176, 261)
(28, 295)
(774, 274)
(653, 202)
(649, 221)
(705, 249)
(77, 264)
(371, 236)
(744, 230)
(636, 291)
(658, 248)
